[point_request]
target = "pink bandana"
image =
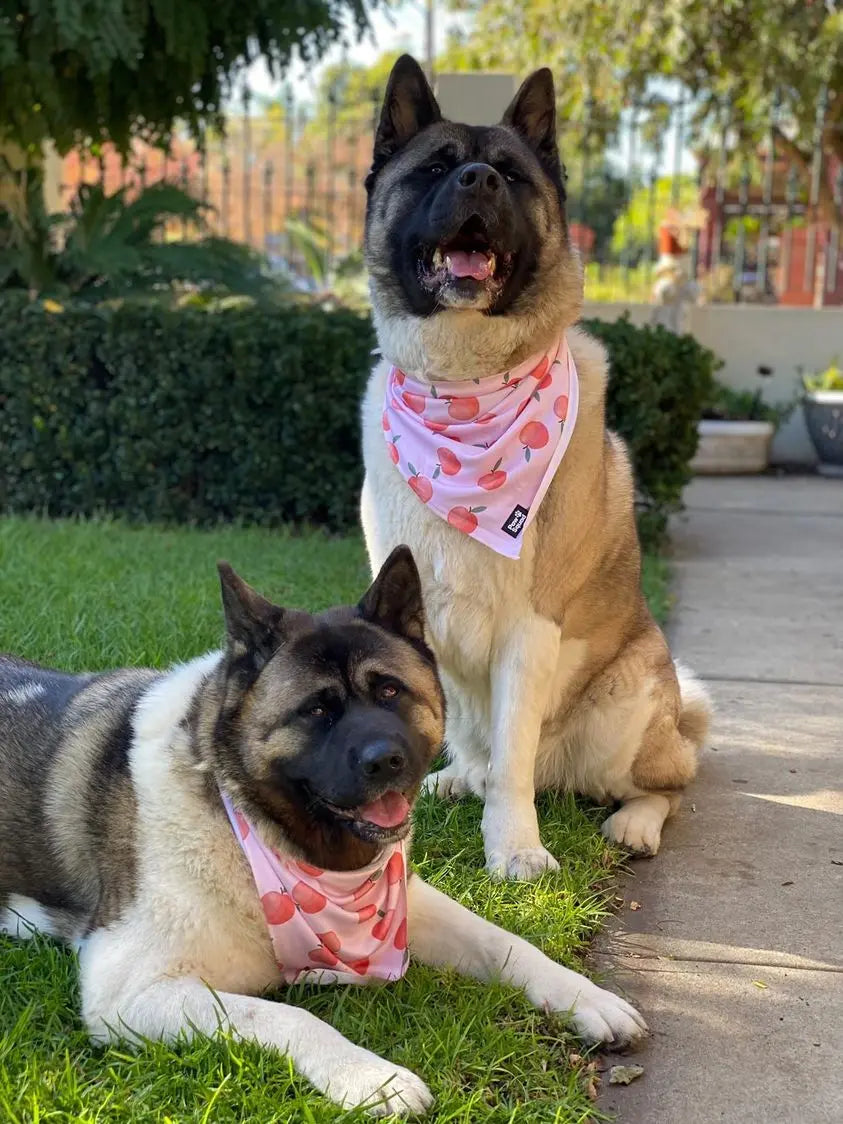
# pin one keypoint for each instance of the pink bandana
(330, 926)
(482, 453)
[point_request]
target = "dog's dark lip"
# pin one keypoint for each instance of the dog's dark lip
(472, 236)
(351, 819)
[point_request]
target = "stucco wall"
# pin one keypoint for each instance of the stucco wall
(746, 337)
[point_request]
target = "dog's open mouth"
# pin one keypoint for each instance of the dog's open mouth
(382, 820)
(469, 256)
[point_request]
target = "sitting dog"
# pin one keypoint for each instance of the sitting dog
(486, 450)
(208, 833)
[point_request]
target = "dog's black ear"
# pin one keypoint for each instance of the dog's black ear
(394, 599)
(532, 114)
(408, 107)
(255, 626)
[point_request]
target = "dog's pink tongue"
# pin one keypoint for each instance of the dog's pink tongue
(469, 264)
(388, 810)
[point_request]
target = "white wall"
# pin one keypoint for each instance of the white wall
(746, 337)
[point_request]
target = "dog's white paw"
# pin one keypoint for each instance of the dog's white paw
(452, 784)
(637, 827)
(597, 1015)
(523, 865)
(379, 1087)
(601, 1016)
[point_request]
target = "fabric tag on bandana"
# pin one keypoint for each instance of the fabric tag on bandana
(482, 453)
(330, 926)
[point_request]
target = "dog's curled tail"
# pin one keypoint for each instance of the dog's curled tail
(695, 717)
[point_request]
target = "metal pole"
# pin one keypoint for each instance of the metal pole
(740, 241)
(330, 172)
(289, 141)
(787, 237)
(766, 199)
(429, 37)
(247, 166)
(677, 156)
(813, 198)
(633, 128)
(833, 250)
(719, 193)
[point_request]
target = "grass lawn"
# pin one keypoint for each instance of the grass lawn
(102, 595)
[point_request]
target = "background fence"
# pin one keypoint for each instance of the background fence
(756, 226)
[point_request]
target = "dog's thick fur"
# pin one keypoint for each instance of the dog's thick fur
(113, 835)
(555, 673)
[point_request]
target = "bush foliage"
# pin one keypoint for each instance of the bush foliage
(182, 415)
(658, 385)
(187, 415)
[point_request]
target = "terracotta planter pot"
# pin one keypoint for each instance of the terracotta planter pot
(733, 447)
(823, 411)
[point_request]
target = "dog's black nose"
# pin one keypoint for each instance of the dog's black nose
(479, 180)
(382, 758)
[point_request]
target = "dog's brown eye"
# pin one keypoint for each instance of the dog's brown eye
(437, 169)
(388, 691)
(317, 712)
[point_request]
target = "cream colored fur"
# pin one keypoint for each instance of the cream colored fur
(555, 673)
(192, 953)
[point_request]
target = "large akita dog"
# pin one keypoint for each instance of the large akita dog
(522, 527)
(209, 833)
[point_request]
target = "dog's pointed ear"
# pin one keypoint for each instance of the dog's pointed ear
(408, 107)
(532, 114)
(394, 599)
(254, 626)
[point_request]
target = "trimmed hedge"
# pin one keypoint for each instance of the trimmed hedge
(659, 383)
(195, 416)
(183, 415)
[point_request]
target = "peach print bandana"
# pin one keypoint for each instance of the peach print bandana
(330, 926)
(482, 453)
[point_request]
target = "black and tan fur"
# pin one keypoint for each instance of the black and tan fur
(555, 673)
(113, 835)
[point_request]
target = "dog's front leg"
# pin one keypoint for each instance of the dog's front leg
(447, 935)
(171, 1007)
(522, 671)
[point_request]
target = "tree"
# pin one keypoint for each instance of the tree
(743, 62)
(89, 71)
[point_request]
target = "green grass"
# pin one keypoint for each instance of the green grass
(100, 595)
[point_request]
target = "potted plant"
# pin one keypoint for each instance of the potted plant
(822, 404)
(736, 431)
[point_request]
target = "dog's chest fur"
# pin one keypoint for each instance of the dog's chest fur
(470, 591)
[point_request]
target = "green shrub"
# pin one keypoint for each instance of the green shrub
(188, 415)
(182, 415)
(727, 404)
(658, 385)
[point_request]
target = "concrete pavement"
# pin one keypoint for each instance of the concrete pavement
(735, 952)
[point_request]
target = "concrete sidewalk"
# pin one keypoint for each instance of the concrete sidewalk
(735, 955)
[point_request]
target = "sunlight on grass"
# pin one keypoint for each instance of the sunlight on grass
(99, 595)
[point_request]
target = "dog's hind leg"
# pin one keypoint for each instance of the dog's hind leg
(637, 824)
(664, 762)
(447, 935)
(117, 1005)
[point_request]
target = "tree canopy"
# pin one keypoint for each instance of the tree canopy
(89, 71)
(740, 61)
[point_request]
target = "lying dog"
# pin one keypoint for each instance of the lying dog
(133, 805)
(486, 451)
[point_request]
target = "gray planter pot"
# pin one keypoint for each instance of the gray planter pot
(823, 411)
